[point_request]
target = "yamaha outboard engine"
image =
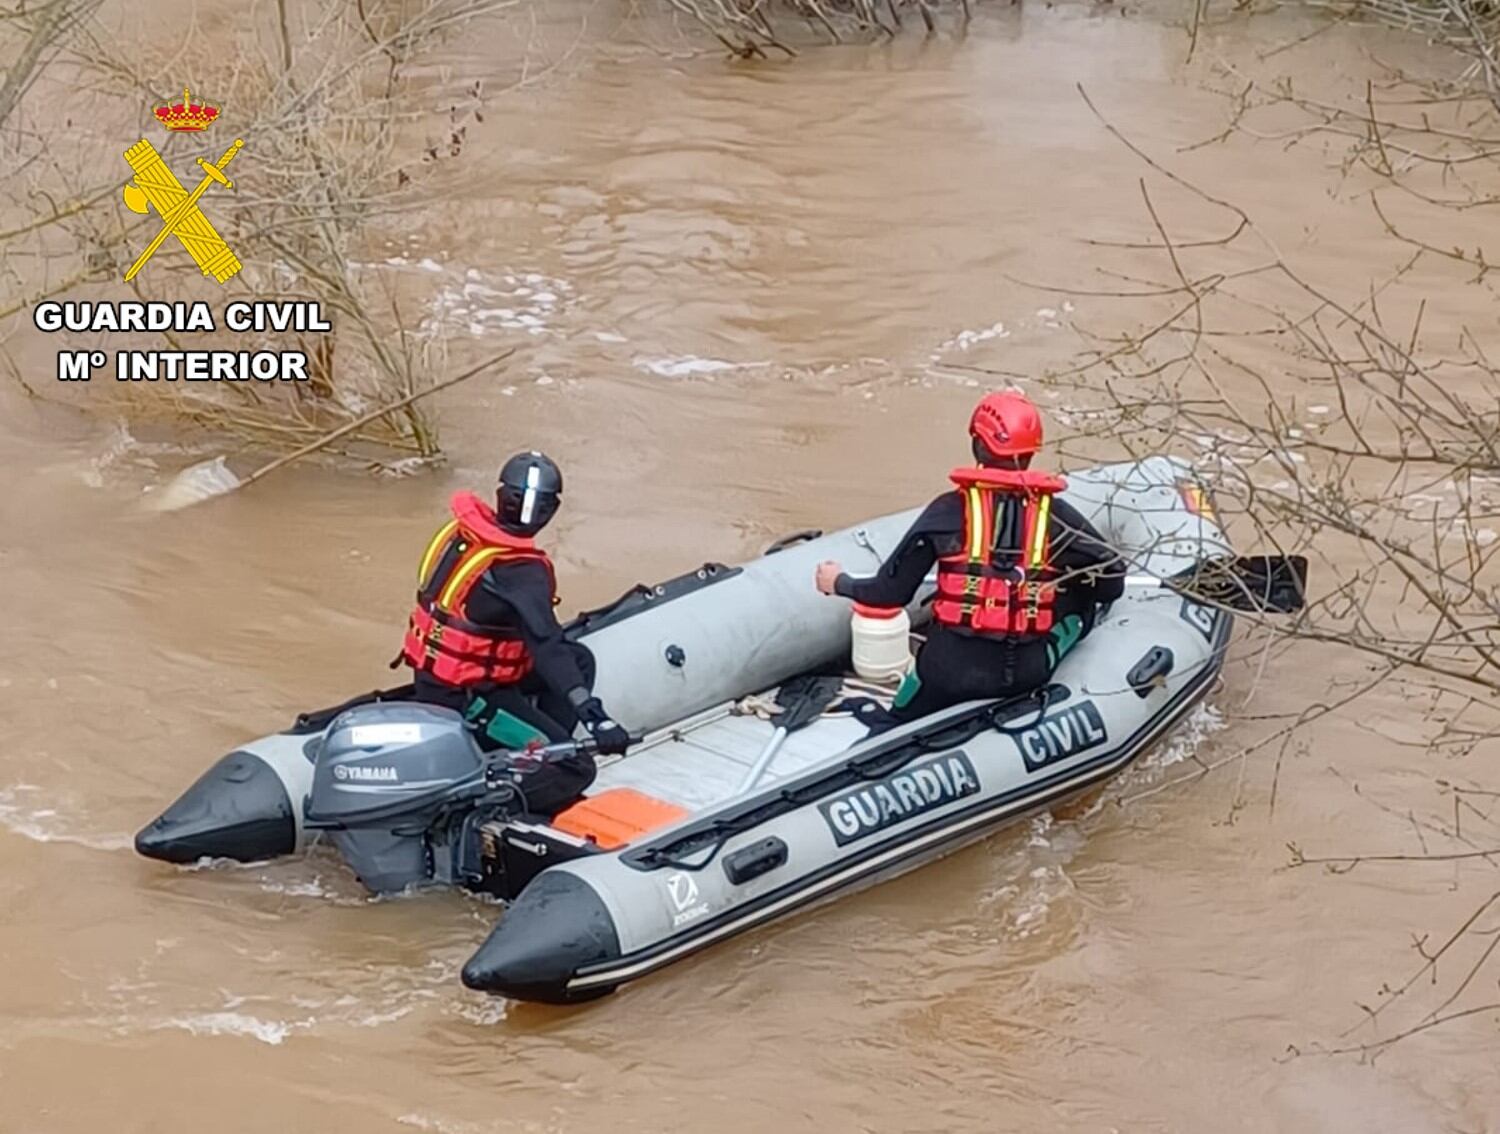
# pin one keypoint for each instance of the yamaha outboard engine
(396, 786)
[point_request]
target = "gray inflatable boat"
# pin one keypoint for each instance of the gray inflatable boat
(715, 822)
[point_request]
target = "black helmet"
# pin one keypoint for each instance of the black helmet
(530, 491)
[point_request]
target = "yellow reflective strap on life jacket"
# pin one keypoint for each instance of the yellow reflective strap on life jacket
(468, 566)
(1039, 537)
(435, 549)
(976, 524)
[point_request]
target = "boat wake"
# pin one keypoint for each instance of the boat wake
(371, 996)
(1036, 874)
(315, 875)
(1184, 742)
(24, 811)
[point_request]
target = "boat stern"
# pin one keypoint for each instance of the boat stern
(557, 926)
(239, 809)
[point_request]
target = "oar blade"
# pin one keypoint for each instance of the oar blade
(803, 699)
(1261, 584)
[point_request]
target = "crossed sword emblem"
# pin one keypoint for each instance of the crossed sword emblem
(156, 186)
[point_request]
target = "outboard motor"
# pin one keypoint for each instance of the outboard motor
(398, 787)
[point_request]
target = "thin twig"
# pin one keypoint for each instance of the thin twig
(364, 419)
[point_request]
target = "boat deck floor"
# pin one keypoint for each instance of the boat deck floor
(703, 764)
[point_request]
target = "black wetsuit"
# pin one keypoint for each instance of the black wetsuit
(517, 595)
(956, 664)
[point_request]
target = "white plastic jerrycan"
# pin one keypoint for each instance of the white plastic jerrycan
(882, 642)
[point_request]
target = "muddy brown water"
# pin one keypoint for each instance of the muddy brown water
(750, 286)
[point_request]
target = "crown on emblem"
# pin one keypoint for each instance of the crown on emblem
(187, 114)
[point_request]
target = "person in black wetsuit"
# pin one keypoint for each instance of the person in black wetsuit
(1021, 574)
(483, 638)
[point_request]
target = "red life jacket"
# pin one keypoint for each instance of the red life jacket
(440, 637)
(1003, 581)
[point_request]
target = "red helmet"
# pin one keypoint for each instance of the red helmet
(1007, 424)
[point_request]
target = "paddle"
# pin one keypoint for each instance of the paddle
(802, 701)
(1262, 584)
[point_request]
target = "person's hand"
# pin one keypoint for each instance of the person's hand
(827, 575)
(609, 736)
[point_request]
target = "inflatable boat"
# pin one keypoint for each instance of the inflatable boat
(727, 814)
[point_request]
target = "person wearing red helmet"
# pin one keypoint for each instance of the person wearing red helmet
(1020, 573)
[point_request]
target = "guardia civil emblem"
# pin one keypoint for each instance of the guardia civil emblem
(156, 187)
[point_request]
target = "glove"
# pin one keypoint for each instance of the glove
(1108, 588)
(609, 736)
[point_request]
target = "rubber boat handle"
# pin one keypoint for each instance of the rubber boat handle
(792, 540)
(755, 860)
(1149, 674)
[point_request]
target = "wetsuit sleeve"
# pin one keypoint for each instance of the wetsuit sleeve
(937, 531)
(520, 595)
(1079, 550)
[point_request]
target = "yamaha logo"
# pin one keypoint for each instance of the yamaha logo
(359, 773)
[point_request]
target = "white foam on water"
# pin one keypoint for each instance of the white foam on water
(406, 466)
(234, 1024)
(206, 862)
(377, 1019)
(1044, 886)
(309, 889)
(685, 366)
(363, 997)
(1035, 876)
(1040, 825)
(486, 1013)
(288, 878)
(440, 1125)
(967, 339)
(480, 306)
(1184, 741)
(116, 445)
(26, 811)
(123, 456)
(1037, 873)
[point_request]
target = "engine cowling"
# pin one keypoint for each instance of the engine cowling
(381, 775)
(393, 755)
